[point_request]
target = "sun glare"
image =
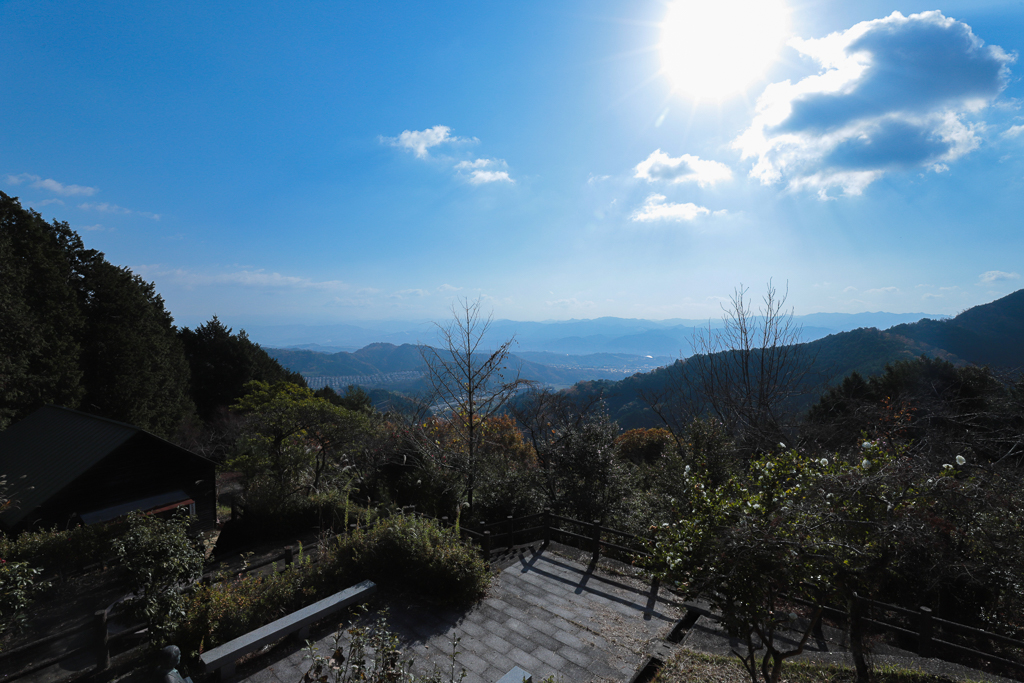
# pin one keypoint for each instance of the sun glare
(712, 49)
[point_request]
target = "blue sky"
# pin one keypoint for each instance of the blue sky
(321, 162)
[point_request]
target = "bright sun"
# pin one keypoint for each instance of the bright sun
(715, 48)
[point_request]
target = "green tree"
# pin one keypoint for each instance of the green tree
(294, 441)
(159, 558)
(222, 363)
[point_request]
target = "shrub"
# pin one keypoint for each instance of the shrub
(411, 554)
(61, 550)
(159, 557)
(214, 614)
(18, 584)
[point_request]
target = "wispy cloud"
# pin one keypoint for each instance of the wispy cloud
(47, 202)
(1013, 131)
(893, 93)
(684, 169)
(655, 208)
(419, 142)
(104, 207)
(50, 185)
(882, 290)
(996, 276)
(481, 171)
(448, 288)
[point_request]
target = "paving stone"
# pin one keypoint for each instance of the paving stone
(497, 643)
(549, 657)
(472, 662)
(525, 642)
(574, 655)
(524, 660)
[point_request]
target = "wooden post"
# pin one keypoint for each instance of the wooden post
(289, 555)
(596, 531)
(547, 526)
(511, 532)
(102, 641)
(487, 546)
(925, 629)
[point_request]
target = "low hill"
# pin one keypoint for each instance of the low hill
(990, 334)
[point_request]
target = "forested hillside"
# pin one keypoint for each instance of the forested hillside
(985, 335)
(81, 332)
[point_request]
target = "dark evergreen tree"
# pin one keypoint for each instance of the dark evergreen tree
(134, 364)
(222, 364)
(40, 321)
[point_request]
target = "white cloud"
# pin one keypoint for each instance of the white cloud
(1013, 131)
(655, 208)
(892, 94)
(882, 290)
(997, 276)
(931, 295)
(47, 202)
(849, 289)
(480, 177)
(684, 169)
(244, 277)
(479, 173)
(50, 185)
(448, 288)
(420, 141)
(104, 207)
(95, 228)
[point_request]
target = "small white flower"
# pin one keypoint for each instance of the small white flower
(824, 462)
(865, 463)
(867, 444)
(687, 469)
(782, 445)
(947, 466)
(961, 460)
(757, 506)
(419, 481)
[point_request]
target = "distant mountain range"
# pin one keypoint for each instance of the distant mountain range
(635, 337)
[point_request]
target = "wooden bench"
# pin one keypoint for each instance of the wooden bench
(223, 658)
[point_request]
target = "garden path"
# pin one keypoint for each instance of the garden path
(545, 613)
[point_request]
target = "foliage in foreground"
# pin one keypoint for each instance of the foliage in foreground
(60, 550)
(690, 666)
(160, 558)
(19, 583)
(405, 553)
(370, 654)
(413, 554)
(876, 523)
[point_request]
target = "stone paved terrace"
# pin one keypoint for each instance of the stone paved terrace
(544, 613)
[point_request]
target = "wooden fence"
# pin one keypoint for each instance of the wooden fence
(921, 629)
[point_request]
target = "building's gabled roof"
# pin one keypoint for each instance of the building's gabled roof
(49, 449)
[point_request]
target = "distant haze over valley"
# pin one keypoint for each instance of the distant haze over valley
(667, 339)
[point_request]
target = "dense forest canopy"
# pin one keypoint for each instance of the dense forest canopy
(81, 332)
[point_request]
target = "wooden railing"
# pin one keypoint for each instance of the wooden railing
(922, 628)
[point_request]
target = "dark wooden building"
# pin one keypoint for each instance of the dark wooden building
(65, 467)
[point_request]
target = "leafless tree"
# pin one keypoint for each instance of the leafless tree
(744, 373)
(545, 417)
(469, 383)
